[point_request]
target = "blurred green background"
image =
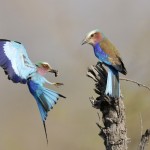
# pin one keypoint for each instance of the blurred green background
(52, 31)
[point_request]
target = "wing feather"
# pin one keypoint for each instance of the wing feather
(15, 61)
(113, 55)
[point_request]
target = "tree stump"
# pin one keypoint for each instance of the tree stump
(114, 132)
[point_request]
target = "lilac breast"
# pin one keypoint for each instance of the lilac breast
(101, 55)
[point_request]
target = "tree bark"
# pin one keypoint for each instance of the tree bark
(144, 139)
(114, 132)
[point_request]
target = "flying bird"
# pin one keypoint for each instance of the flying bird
(19, 68)
(108, 54)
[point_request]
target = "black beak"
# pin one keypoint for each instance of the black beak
(84, 42)
(54, 71)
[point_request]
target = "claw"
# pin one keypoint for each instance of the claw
(58, 84)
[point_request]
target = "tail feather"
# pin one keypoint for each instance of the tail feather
(45, 99)
(50, 95)
(113, 85)
(43, 110)
(45, 131)
(61, 96)
(54, 93)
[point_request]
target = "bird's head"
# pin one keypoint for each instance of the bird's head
(44, 67)
(93, 37)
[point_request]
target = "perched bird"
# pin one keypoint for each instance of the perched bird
(19, 68)
(108, 54)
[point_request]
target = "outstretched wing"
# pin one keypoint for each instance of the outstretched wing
(15, 61)
(45, 97)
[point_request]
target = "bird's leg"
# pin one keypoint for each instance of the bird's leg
(56, 84)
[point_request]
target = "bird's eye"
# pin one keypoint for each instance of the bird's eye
(92, 35)
(45, 66)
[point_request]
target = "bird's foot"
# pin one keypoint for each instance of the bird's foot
(58, 84)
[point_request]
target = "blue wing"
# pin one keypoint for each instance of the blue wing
(15, 61)
(44, 97)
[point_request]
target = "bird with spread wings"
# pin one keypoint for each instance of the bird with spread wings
(19, 68)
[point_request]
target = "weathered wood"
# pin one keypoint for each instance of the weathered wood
(114, 132)
(144, 139)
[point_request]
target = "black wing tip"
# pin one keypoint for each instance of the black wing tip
(17, 42)
(124, 71)
(6, 40)
(62, 96)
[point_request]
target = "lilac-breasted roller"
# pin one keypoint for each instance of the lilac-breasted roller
(108, 54)
(19, 68)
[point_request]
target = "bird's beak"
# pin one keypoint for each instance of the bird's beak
(84, 41)
(54, 71)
